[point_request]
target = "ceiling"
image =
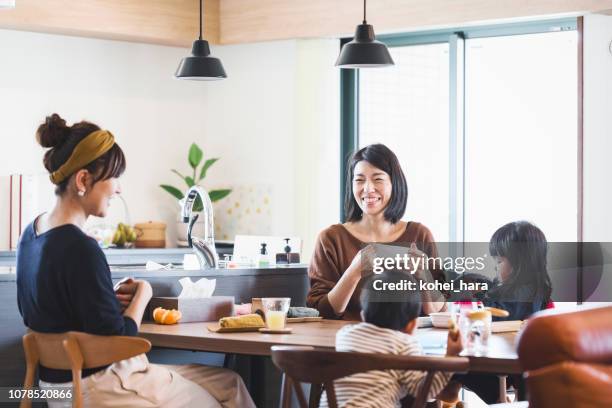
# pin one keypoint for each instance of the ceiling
(175, 22)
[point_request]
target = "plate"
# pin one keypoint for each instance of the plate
(441, 320)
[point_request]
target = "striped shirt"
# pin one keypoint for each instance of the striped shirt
(380, 388)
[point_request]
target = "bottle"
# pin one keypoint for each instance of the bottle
(287, 257)
(284, 258)
(263, 261)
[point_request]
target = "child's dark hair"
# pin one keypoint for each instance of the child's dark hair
(391, 309)
(470, 277)
(525, 247)
(62, 139)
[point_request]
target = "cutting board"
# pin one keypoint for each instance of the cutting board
(215, 328)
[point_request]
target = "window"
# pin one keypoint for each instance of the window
(520, 134)
(406, 108)
(484, 122)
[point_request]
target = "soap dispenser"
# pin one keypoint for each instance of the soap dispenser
(263, 261)
(288, 257)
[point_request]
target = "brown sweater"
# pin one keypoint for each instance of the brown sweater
(333, 254)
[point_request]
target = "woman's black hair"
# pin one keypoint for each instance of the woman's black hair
(380, 156)
(391, 309)
(62, 139)
(525, 247)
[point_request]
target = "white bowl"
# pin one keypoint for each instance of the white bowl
(441, 319)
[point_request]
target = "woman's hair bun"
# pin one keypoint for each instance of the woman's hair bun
(54, 132)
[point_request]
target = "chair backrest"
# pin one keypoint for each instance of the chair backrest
(568, 358)
(305, 364)
(551, 337)
(75, 351)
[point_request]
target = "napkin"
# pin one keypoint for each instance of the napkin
(203, 288)
(154, 266)
(299, 311)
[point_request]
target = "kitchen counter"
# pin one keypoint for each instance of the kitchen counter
(135, 255)
(243, 284)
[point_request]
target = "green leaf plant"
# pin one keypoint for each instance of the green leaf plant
(195, 158)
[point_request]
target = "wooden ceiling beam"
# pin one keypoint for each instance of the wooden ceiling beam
(261, 20)
(165, 22)
(175, 22)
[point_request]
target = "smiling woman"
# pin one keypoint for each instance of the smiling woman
(375, 201)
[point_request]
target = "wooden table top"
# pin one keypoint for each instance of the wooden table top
(501, 357)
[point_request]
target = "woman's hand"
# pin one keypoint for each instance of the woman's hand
(361, 265)
(422, 271)
(140, 298)
(125, 292)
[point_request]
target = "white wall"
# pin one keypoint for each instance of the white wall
(598, 141)
(273, 122)
(318, 141)
(256, 120)
(597, 128)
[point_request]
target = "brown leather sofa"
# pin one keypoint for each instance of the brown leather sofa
(567, 358)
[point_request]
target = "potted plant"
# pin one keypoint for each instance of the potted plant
(195, 158)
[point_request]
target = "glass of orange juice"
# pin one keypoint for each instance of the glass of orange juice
(275, 310)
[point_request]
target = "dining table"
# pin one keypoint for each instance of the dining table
(500, 358)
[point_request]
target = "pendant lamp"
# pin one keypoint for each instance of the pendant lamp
(364, 51)
(200, 66)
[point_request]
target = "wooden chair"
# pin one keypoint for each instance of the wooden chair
(75, 351)
(305, 364)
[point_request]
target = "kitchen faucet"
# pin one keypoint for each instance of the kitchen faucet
(204, 248)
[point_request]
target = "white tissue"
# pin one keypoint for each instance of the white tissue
(203, 288)
(154, 266)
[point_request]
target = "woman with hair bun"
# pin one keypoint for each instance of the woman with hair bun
(64, 282)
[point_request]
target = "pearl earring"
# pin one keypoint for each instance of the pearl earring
(81, 193)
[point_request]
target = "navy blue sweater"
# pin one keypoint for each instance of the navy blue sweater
(64, 284)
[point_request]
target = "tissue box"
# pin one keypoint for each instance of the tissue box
(196, 310)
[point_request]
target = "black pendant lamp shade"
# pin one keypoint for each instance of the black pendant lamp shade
(200, 66)
(363, 51)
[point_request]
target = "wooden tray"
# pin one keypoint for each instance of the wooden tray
(218, 329)
(286, 330)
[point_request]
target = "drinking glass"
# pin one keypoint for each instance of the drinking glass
(478, 332)
(275, 310)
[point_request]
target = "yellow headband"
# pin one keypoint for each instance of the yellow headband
(87, 150)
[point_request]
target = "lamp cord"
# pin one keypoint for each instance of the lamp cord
(200, 19)
(364, 12)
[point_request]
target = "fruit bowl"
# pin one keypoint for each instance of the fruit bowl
(127, 245)
(124, 236)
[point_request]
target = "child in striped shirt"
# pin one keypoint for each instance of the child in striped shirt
(389, 320)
